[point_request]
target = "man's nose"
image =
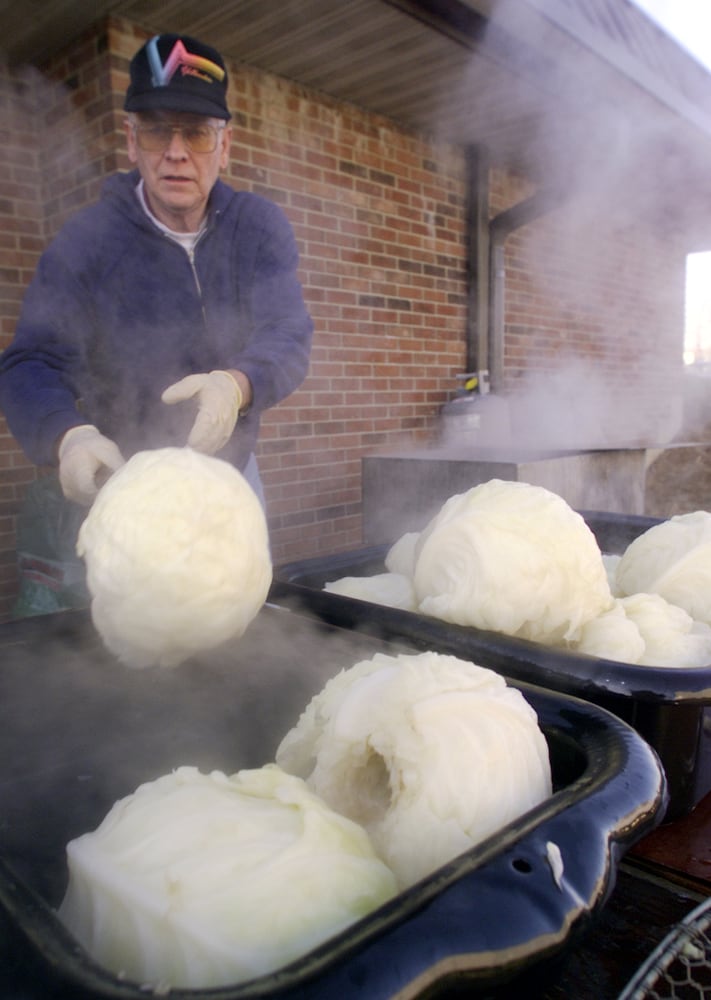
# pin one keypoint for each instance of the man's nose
(177, 147)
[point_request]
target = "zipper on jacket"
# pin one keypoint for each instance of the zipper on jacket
(191, 258)
(196, 278)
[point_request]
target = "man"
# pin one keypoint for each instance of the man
(169, 313)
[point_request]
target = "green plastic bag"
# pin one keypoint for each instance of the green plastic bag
(52, 576)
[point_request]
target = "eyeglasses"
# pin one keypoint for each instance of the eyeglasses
(156, 138)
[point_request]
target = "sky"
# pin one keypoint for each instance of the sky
(688, 21)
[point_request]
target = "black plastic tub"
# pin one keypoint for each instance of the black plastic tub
(80, 731)
(667, 705)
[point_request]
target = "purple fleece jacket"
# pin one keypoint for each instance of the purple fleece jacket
(117, 311)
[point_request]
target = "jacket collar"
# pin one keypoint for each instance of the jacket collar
(120, 188)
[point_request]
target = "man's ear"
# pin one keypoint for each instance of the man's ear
(130, 141)
(226, 140)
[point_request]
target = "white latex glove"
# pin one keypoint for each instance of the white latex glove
(219, 399)
(83, 453)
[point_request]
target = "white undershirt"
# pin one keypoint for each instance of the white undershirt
(186, 240)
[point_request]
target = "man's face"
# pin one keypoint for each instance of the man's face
(177, 178)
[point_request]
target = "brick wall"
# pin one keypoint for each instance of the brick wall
(21, 239)
(378, 214)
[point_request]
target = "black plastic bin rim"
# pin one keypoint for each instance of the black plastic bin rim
(299, 584)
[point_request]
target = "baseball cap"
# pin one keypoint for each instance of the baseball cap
(178, 73)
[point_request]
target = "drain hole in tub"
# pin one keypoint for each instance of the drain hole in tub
(523, 866)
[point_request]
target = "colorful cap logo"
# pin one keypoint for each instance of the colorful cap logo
(180, 60)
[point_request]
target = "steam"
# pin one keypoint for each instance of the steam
(72, 150)
(83, 730)
(579, 406)
(593, 289)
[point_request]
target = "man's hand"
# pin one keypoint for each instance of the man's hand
(83, 453)
(219, 400)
